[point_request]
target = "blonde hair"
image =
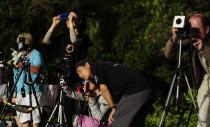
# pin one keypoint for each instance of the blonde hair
(27, 36)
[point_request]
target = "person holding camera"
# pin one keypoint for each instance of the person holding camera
(76, 24)
(74, 47)
(123, 89)
(28, 66)
(200, 63)
(96, 105)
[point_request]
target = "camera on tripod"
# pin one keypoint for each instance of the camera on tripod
(184, 28)
(21, 40)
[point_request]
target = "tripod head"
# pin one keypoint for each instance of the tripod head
(64, 68)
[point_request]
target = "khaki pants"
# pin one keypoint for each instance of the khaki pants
(203, 100)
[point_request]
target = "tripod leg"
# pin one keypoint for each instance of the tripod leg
(30, 103)
(60, 112)
(11, 93)
(194, 104)
(188, 120)
(177, 94)
(36, 99)
(52, 114)
(167, 101)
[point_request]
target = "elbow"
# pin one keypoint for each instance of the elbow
(45, 42)
(167, 55)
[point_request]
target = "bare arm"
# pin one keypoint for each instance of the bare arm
(72, 94)
(70, 24)
(170, 48)
(72, 35)
(47, 36)
(107, 95)
(98, 108)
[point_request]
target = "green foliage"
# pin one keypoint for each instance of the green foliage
(174, 113)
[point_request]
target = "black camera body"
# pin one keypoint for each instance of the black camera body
(64, 16)
(184, 28)
(22, 39)
(22, 46)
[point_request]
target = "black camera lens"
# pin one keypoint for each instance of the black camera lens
(195, 33)
(178, 21)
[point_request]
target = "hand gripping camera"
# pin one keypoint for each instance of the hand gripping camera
(184, 28)
(64, 16)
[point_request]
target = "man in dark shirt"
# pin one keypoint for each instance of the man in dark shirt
(125, 90)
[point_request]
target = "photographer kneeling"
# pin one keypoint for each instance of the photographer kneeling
(200, 63)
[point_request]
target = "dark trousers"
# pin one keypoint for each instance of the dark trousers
(128, 112)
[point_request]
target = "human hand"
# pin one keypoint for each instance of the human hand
(110, 119)
(56, 20)
(174, 31)
(63, 84)
(13, 100)
(197, 43)
(18, 65)
(70, 22)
